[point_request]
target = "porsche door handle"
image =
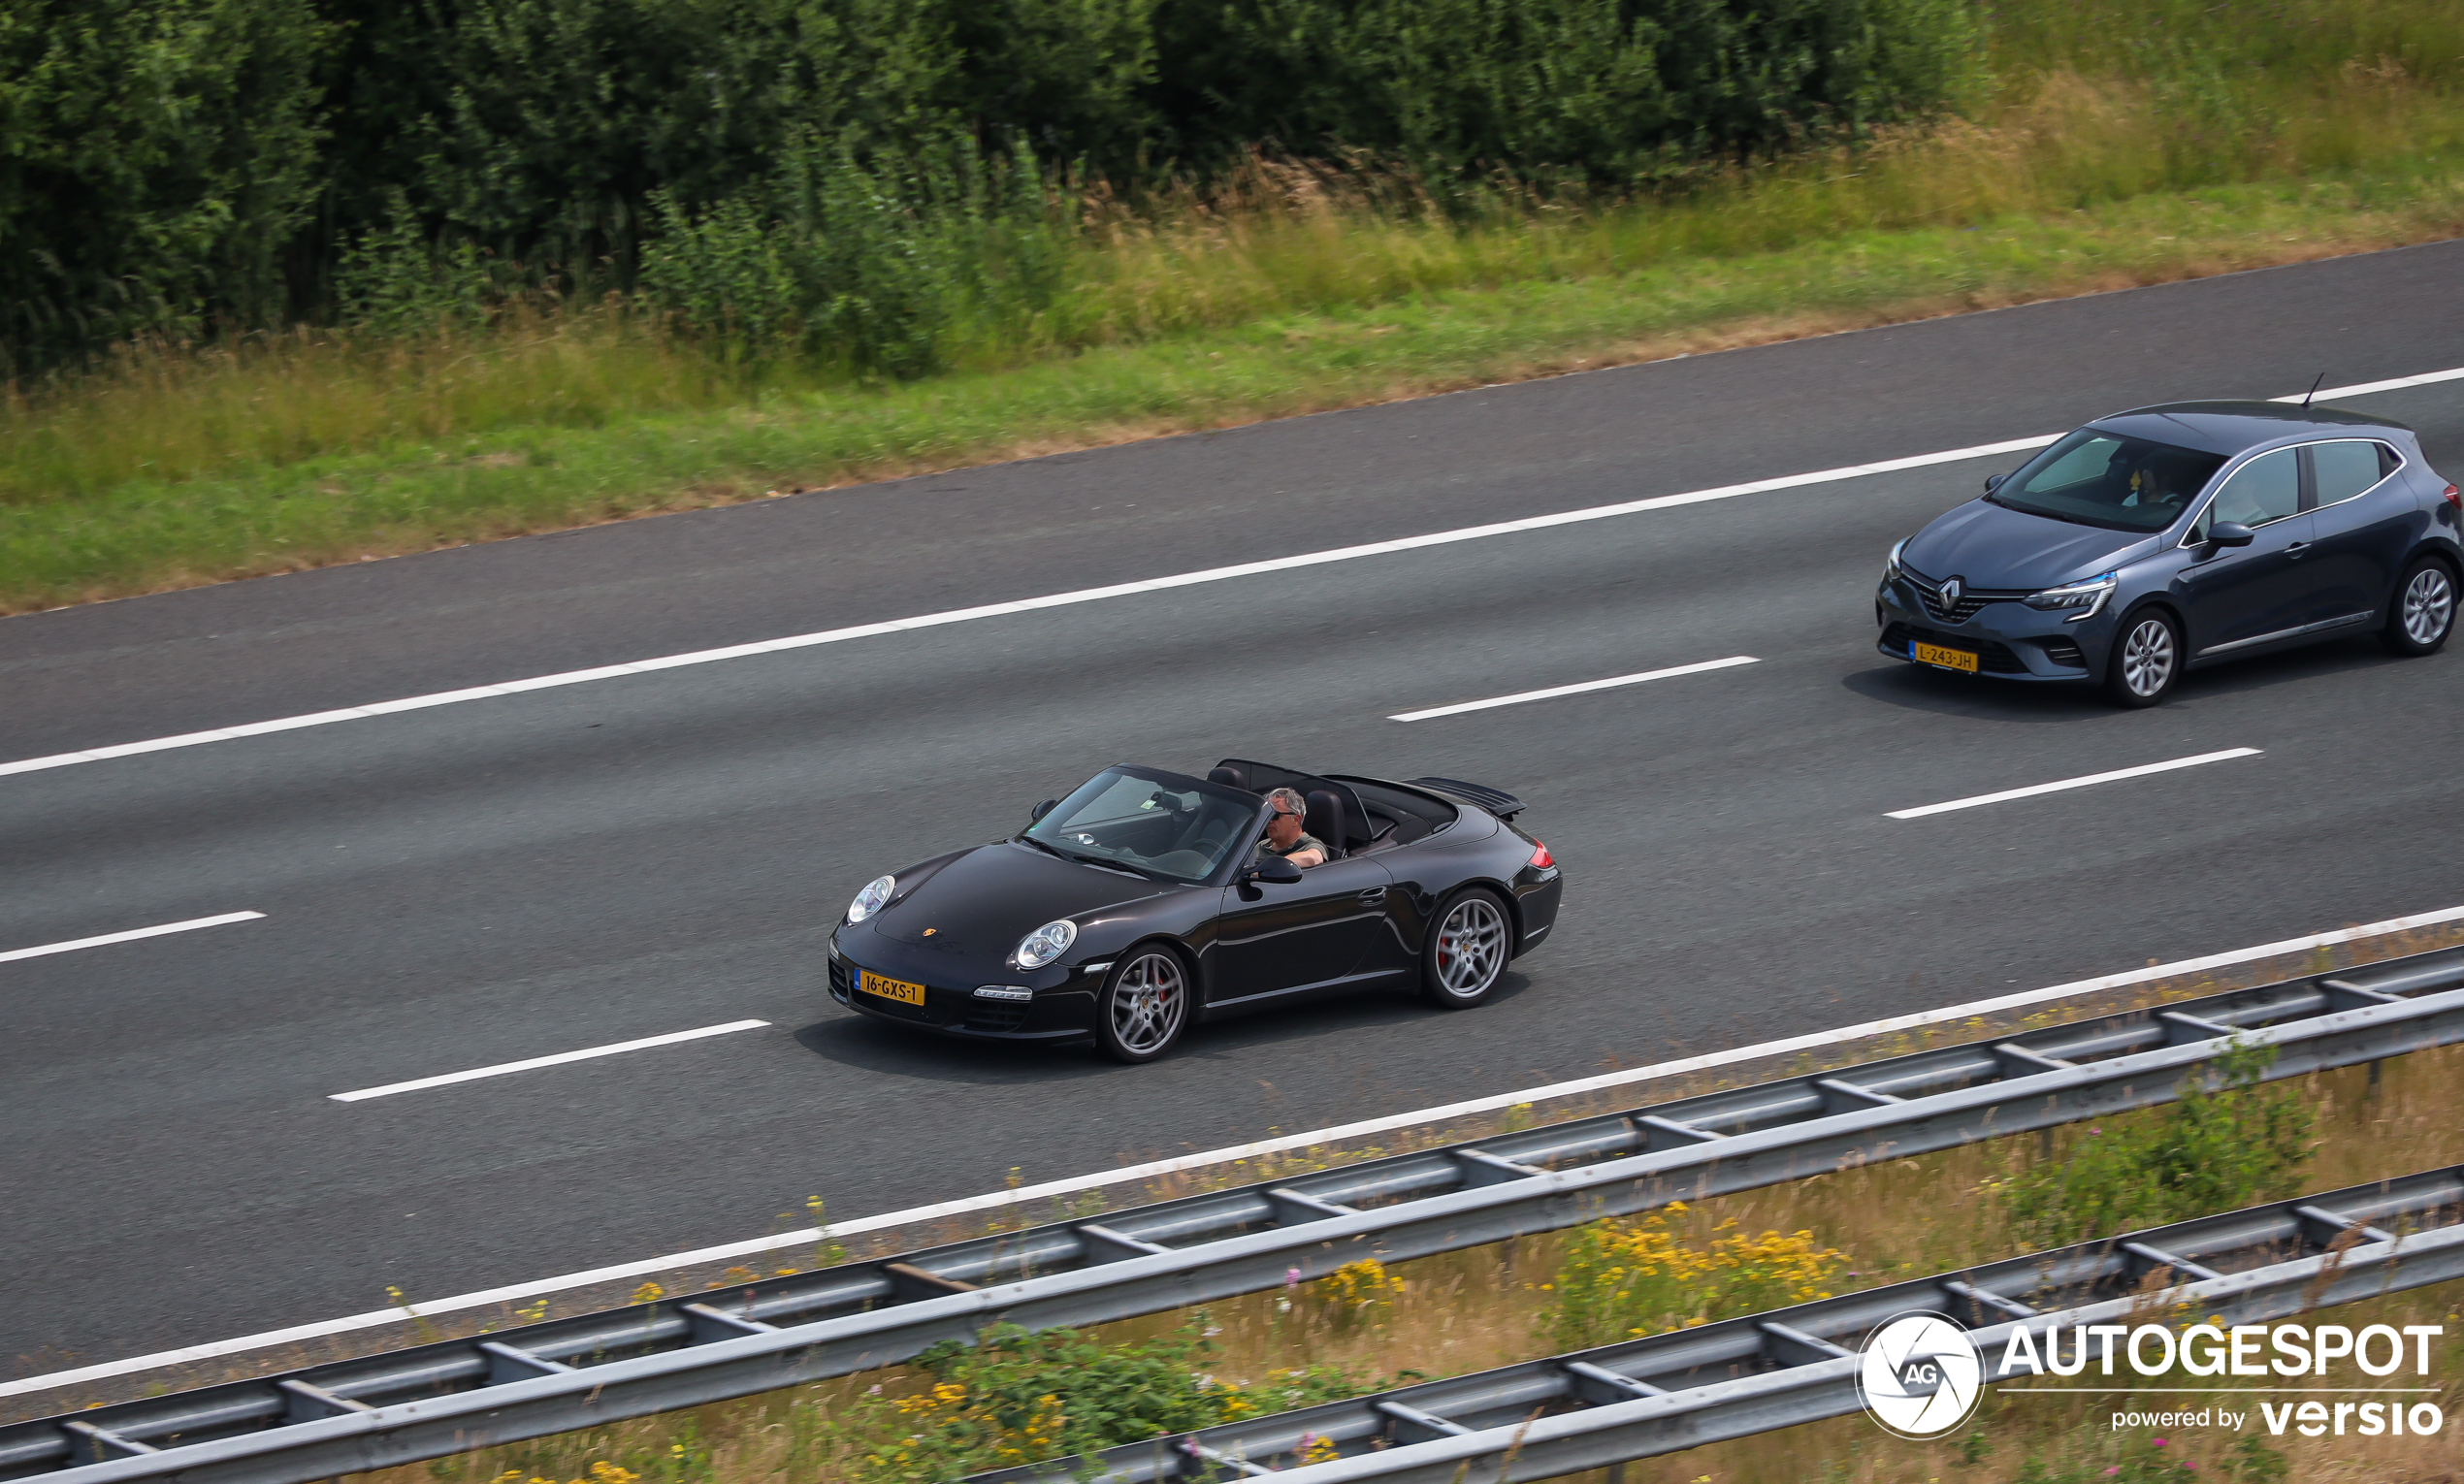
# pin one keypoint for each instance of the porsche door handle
(1373, 896)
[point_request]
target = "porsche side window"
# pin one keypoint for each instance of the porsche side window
(2268, 488)
(2349, 467)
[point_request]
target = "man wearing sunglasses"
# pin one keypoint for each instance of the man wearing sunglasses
(1284, 836)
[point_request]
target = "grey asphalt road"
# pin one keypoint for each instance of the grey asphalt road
(532, 874)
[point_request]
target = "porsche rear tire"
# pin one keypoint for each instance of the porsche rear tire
(1465, 954)
(1145, 1006)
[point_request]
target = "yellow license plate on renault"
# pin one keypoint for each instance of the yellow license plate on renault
(891, 988)
(1942, 658)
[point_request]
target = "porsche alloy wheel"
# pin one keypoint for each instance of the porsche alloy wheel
(1467, 955)
(1146, 1006)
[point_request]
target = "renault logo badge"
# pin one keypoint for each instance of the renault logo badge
(1951, 592)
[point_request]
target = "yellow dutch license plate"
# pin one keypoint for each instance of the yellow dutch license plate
(891, 988)
(1946, 658)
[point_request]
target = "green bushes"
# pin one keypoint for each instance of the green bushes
(157, 160)
(1604, 92)
(869, 267)
(1026, 1397)
(2218, 1148)
(188, 166)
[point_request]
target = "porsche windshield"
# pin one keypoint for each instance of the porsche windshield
(1155, 825)
(2095, 478)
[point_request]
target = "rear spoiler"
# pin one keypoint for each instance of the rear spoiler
(1496, 801)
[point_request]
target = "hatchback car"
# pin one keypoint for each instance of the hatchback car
(2155, 540)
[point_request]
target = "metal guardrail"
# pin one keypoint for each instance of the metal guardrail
(435, 1400)
(1589, 1408)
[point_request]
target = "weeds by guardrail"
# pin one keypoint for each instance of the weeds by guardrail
(1694, 1385)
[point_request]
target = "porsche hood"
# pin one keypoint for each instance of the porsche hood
(981, 902)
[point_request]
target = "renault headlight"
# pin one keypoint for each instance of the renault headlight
(873, 898)
(2086, 598)
(1046, 943)
(1890, 563)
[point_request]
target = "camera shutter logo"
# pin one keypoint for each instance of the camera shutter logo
(1920, 1375)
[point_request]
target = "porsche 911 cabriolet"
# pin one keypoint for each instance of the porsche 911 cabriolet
(1142, 904)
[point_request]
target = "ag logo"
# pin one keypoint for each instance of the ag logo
(1920, 1374)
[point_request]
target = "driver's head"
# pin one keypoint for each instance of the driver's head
(2152, 484)
(1284, 825)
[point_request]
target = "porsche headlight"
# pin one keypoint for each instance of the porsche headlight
(1046, 943)
(1890, 563)
(873, 898)
(2084, 597)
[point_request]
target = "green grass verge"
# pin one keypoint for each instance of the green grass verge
(138, 535)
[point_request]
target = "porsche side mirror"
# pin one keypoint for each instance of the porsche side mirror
(2229, 533)
(1994, 482)
(1274, 868)
(1041, 810)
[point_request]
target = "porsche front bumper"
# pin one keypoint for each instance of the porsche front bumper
(1060, 1013)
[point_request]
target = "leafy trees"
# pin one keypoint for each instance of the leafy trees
(188, 165)
(158, 158)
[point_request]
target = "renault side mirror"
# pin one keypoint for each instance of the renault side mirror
(1042, 809)
(1994, 482)
(2229, 533)
(1274, 868)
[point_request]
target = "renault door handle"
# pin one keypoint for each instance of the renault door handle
(2295, 550)
(1373, 895)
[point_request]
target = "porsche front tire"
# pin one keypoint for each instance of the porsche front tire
(1145, 1006)
(1465, 954)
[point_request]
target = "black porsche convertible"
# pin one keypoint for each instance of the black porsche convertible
(1141, 903)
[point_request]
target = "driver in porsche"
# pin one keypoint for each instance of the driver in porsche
(1284, 835)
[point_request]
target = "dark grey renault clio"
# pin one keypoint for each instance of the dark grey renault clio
(2158, 539)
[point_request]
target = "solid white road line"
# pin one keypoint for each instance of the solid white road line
(1023, 605)
(1589, 685)
(1098, 595)
(557, 1060)
(2365, 388)
(2032, 790)
(130, 936)
(430, 1308)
